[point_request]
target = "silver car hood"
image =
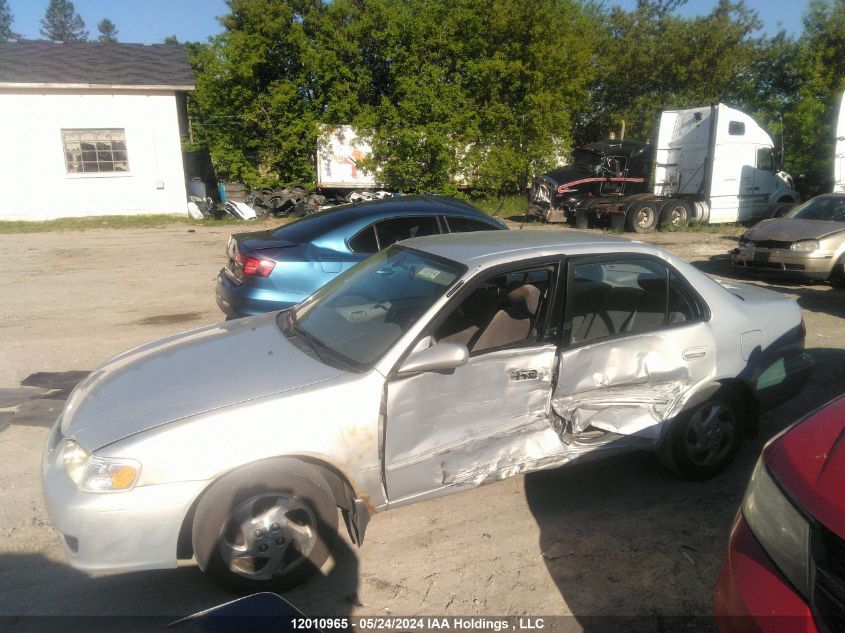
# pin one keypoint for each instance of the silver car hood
(187, 374)
(792, 230)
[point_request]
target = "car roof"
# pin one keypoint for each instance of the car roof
(319, 224)
(406, 204)
(484, 248)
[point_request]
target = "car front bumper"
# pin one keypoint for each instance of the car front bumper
(119, 531)
(751, 594)
(783, 262)
(239, 300)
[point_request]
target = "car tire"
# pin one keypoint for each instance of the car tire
(582, 220)
(281, 510)
(703, 439)
(674, 214)
(642, 217)
(837, 275)
(617, 222)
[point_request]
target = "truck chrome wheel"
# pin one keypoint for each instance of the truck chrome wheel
(268, 535)
(711, 433)
(674, 214)
(642, 217)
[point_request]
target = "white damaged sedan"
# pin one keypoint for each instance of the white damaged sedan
(434, 366)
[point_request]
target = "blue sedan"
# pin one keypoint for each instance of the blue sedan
(273, 270)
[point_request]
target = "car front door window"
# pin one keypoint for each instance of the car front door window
(638, 340)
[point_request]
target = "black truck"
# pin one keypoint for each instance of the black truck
(603, 177)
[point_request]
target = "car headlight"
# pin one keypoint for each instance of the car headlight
(744, 243)
(98, 474)
(73, 458)
(779, 526)
(805, 246)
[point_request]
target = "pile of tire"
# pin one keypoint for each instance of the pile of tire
(281, 202)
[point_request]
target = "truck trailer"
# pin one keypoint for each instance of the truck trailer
(712, 164)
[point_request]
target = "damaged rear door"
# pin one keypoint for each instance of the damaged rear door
(487, 419)
(639, 339)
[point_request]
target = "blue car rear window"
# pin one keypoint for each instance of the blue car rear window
(309, 227)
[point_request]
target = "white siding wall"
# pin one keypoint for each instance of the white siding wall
(34, 183)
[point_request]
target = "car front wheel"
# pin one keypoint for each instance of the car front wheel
(265, 526)
(705, 438)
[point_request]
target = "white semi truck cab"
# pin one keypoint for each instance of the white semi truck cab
(722, 159)
(709, 164)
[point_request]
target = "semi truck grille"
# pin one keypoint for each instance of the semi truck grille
(829, 588)
(541, 192)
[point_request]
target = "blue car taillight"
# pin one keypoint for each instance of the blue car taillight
(252, 266)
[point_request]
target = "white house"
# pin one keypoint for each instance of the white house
(90, 128)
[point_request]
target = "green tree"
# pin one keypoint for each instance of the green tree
(6, 19)
(255, 101)
(650, 59)
(61, 22)
(485, 91)
(810, 119)
(480, 91)
(108, 31)
(171, 39)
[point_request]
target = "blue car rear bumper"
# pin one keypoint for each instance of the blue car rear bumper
(239, 300)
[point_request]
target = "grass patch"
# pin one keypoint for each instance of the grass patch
(732, 228)
(509, 205)
(109, 222)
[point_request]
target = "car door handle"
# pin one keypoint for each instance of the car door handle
(695, 352)
(526, 374)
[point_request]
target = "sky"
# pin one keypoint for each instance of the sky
(150, 21)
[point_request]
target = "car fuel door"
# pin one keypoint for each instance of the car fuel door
(639, 340)
(486, 419)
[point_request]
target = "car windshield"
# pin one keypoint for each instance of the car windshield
(587, 160)
(831, 208)
(359, 315)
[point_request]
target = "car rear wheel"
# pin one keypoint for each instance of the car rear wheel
(265, 526)
(705, 438)
(642, 217)
(837, 275)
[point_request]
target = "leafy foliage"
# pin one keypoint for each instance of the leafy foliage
(810, 118)
(488, 92)
(480, 91)
(651, 59)
(108, 31)
(61, 22)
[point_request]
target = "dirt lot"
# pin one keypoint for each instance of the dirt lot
(618, 537)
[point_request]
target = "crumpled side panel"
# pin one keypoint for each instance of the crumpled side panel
(626, 386)
(481, 411)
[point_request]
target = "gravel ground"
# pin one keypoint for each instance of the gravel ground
(617, 537)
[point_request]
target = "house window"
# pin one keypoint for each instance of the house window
(95, 150)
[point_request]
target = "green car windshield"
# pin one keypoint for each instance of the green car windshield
(830, 208)
(358, 316)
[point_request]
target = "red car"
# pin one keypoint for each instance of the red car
(785, 565)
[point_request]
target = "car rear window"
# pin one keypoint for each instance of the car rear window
(309, 227)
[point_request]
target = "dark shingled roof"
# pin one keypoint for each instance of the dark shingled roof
(94, 63)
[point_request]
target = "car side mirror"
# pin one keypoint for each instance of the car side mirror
(438, 357)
